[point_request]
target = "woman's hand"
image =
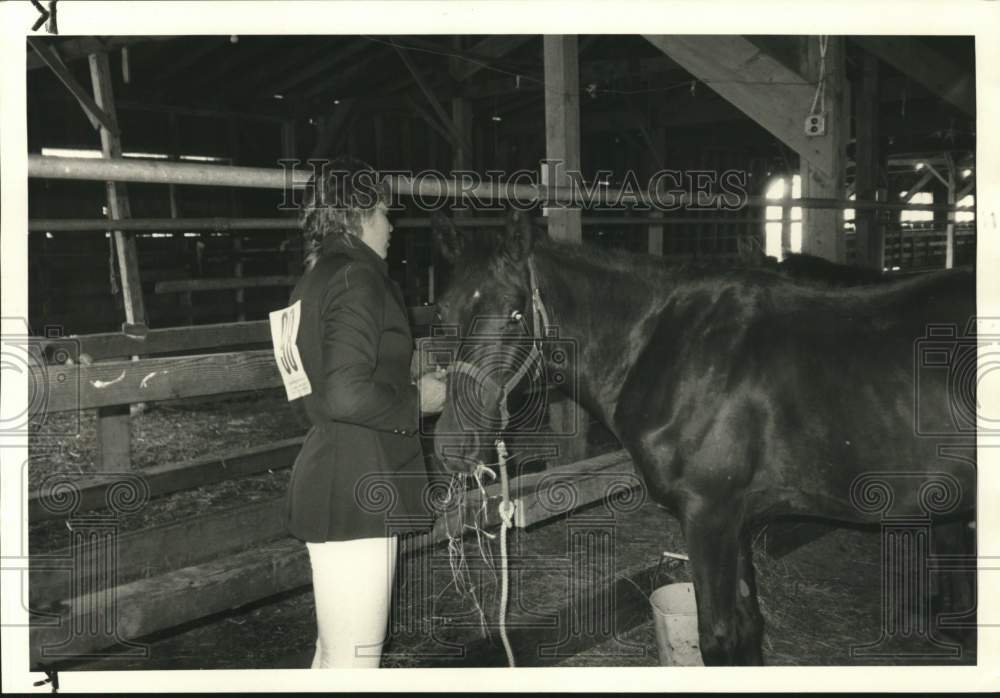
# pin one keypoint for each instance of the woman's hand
(433, 390)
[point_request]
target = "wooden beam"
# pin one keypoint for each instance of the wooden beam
(260, 82)
(654, 143)
(925, 66)
(338, 53)
(209, 112)
(870, 155)
(562, 145)
(562, 127)
(918, 187)
(95, 114)
(163, 479)
(164, 340)
(185, 60)
(157, 550)
(73, 49)
(825, 177)
(118, 204)
(461, 114)
(223, 284)
(234, 60)
(431, 121)
(456, 137)
(126, 382)
(113, 431)
(965, 191)
(771, 94)
(160, 225)
(933, 170)
(490, 47)
(147, 605)
(674, 111)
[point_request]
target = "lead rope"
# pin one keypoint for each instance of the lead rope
(506, 510)
(539, 322)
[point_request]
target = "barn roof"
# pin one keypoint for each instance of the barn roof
(290, 76)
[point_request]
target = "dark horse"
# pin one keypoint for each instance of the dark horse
(740, 394)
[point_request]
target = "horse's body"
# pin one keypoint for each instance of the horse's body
(742, 395)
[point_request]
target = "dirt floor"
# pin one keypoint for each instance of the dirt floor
(819, 602)
(817, 609)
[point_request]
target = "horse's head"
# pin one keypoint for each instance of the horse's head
(487, 311)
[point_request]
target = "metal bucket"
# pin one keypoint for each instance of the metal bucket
(675, 616)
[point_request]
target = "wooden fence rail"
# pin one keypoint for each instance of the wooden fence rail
(146, 605)
(91, 491)
(81, 387)
(146, 342)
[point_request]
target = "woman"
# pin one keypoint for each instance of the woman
(359, 479)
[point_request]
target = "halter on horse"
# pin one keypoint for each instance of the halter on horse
(739, 394)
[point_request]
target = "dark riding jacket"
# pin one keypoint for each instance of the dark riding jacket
(360, 473)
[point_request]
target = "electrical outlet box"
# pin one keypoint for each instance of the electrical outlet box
(815, 125)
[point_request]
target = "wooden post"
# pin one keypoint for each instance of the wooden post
(175, 152)
(786, 223)
(461, 116)
(235, 236)
(823, 229)
(949, 245)
(562, 128)
(562, 143)
(113, 433)
(462, 154)
(293, 239)
(411, 284)
(378, 132)
(654, 243)
(868, 162)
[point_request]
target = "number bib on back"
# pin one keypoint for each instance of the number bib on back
(284, 330)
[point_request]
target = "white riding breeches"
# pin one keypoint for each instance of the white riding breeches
(352, 583)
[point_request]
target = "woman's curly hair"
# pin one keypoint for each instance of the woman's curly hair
(347, 191)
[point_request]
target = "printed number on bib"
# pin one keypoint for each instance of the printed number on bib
(284, 330)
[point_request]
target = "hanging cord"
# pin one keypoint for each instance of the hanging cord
(506, 509)
(819, 98)
(112, 261)
(539, 325)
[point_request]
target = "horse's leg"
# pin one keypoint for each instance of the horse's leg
(730, 625)
(955, 595)
(750, 619)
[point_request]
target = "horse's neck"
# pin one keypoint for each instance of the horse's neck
(603, 312)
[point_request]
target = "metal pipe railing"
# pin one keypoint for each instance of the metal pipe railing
(121, 170)
(228, 224)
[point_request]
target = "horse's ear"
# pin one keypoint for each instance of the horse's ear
(518, 236)
(449, 239)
